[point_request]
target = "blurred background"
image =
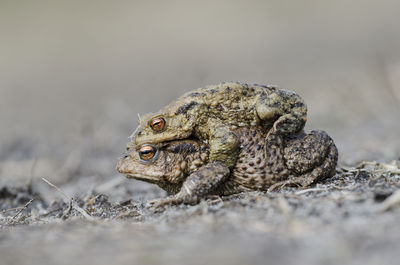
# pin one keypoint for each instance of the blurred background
(74, 75)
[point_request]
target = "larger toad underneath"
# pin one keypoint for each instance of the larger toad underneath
(300, 159)
(212, 115)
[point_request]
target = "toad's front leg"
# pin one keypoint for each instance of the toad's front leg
(197, 186)
(224, 149)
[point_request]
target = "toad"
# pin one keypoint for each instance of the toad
(300, 159)
(212, 114)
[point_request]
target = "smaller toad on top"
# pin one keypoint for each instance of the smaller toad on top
(212, 115)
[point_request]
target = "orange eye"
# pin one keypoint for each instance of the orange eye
(157, 124)
(147, 152)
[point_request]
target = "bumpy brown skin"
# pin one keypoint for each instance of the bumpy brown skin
(300, 159)
(212, 115)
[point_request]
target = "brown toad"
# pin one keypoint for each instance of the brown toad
(300, 159)
(212, 115)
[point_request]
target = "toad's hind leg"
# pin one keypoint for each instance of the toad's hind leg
(308, 170)
(284, 110)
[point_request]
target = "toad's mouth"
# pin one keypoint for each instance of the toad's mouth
(153, 139)
(147, 178)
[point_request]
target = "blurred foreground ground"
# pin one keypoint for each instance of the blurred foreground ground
(74, 76)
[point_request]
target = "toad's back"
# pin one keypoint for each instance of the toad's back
(233, 103)
(304, 159)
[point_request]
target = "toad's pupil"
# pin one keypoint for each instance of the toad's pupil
(147, 152)
(158, 124)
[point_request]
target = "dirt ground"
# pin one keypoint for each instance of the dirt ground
(75, 76)
(351, 218)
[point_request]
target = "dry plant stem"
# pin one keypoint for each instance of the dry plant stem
(22, 209)
(57, 188)
(72, 202)
(310, 190)
(12, 209)
(52, 211)
(357, 174)
(392, 168)
(70, 206)
(346, 188)
(390, 202)
(29, 182)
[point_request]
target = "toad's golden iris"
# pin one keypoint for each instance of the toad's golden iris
(147, 152)
(158, 124)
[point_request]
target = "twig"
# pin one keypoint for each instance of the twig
(357, 174)
(29, 182)
(50, 212)
(83, 212)
(11, 209)
(367, 163)
(70, 206)
(392, 201)
(391, 168)
(309, 190)
(346, 188)
(57, 188)
(131, 213)
(71, 201)
(22, 209)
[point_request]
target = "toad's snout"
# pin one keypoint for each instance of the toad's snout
(123, 165)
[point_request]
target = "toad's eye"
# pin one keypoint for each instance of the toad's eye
(158, 124)
(147, 152)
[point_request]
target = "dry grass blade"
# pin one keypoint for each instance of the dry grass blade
(390, 202)
(391, 168)
(66, 212)
(21, 210)
(310, 190)
(57, 188)
(32, 171)
(12, 209)
(72, 202)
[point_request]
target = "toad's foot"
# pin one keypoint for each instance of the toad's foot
(161, 204)
(290, 182)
